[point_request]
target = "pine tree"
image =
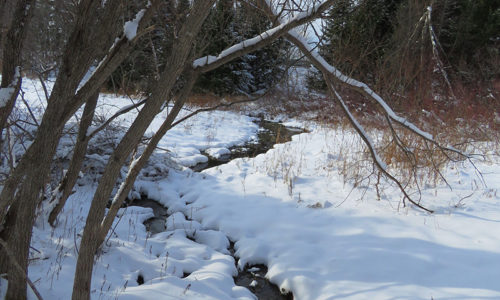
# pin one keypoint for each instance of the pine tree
(230, 23)
(355, 37)
(469, 32)
(148, 59)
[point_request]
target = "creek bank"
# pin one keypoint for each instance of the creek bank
(254, 278)
(251, 277)
(157, 223)
(270, 134)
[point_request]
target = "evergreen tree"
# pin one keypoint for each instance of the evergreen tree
(227, 24)
(364, 38)
(469, 32)
(148, 59)
(230, 23)
(355, 36)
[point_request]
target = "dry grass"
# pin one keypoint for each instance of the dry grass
(469, 123)
(210, 100)
(203, 100)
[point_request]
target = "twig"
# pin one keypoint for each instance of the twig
(44, 87)
(251, 99)
(74, 241)
(29, 109)
(376, 159)
(116, 115)
(20, 269)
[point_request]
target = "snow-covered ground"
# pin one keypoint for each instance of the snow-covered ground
(289, 209)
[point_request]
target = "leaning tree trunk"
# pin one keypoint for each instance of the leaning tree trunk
(92, 237)
(65, 188)
(139, 163)
(19, 221)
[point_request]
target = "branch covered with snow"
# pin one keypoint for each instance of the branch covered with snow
(209, 62)
(370, 93)
(330, 71)
(381, 165)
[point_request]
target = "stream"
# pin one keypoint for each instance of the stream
(270, 133)
(252, 277)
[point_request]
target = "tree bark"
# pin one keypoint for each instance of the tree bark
(18, 226)
(92, 235)
(139, 163)
(79, 55)
(11, 61)
(6, 7)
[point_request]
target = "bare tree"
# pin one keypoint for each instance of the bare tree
(63, 191)
(6, 7)
(92, 238)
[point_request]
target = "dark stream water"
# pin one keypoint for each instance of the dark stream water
(271, 133)
(252, 277)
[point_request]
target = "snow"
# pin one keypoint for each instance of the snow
(130, 27)
(205, 131)
(289, 209)
(6, 92)
(217, 152)
(202, 61)
(360, 128)
(360, 250)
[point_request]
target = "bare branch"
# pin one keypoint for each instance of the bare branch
(44, 87)
(366, 90)
(371, 148)
(122, 111)
(221, 105)
(29, 109)
(330, 72)
(118, 52)
(19, 269)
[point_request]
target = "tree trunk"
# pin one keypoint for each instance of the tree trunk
(6, 7)
(92, 235)
(11, 61)
(78, 57)
(22, 190)
(20, 219)
(17, 282)
(138, 164)
(68, 182)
